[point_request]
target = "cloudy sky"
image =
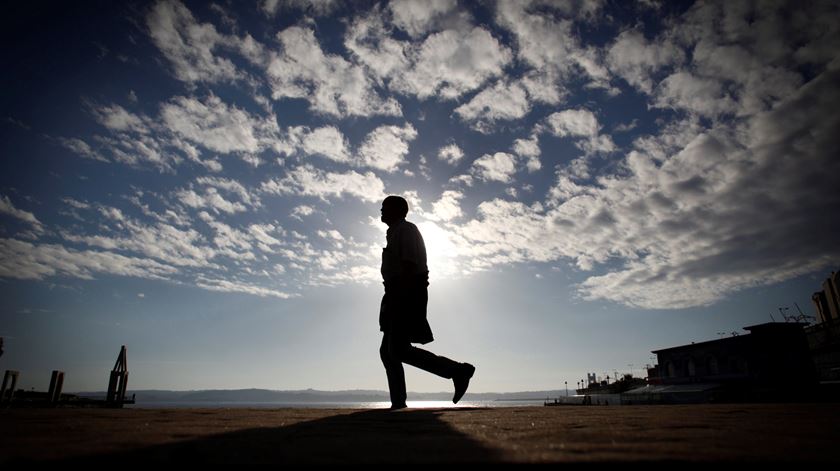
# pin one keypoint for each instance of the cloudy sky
(594, 180)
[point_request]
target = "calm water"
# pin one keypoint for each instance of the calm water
(332, 405)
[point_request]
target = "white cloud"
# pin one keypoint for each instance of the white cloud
(462, 179)
(418, 18)
(313, 7)
(327, 141)
(577, 122)
(162, 241)
(543, 87)
(231, 186)
(580, 123)
(112, 213)
(23, 260)
(541, 39)
(262, 233)
(218, 126)
(447, 207)
(210, 199)
(117, 118)
(636, 60)
(330, 84)
(451, 154)
(367, 274)
(741, 57)
(302, 211)
(194, 48)
(309, 181)
(184, 127)
(547, 40)
(369, 40)
(138, 151)
(75, 203)
(500, 102)
(446, 64)
(453, 62)
(601, 143)
(385, 147)
(6, 207)
(503, 232)
(250, 159)
(229, 241)
(415, 205)
(81, 148)
(26, 261)
(229, 286)
(625, 127)
(530, 149)
(685, 91)
(497, 167)
(331, 234)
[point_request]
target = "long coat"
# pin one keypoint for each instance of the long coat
(403, 309)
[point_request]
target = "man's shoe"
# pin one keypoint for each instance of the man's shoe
(398, 406)
(462, 382)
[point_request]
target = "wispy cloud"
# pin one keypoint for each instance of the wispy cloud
(306, 180)
(6, 207)
(28, 261)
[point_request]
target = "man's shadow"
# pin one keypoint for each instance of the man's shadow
(370, 436)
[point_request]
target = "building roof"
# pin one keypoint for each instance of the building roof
(758, 328)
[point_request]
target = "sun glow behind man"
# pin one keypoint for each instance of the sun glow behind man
(440, 250)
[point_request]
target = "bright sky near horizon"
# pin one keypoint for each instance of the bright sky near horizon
(594, 180)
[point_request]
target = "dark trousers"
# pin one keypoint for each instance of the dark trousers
(396, 350)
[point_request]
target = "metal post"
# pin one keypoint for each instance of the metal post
(9, 383)
(56, 383)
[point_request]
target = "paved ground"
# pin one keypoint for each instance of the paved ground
(571, 434)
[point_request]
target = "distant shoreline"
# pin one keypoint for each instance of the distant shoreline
(417, 404)
(315, 396)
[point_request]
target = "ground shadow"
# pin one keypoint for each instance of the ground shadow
(370, 436)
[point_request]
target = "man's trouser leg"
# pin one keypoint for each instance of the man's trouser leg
(396, 350)
(394, 370)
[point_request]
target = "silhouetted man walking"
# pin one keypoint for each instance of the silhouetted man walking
(402, 315)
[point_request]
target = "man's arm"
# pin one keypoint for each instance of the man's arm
(410, 256)
(407, 269)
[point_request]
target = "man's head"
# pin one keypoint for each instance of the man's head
(394, 209)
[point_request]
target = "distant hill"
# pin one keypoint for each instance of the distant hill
(312, 395)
